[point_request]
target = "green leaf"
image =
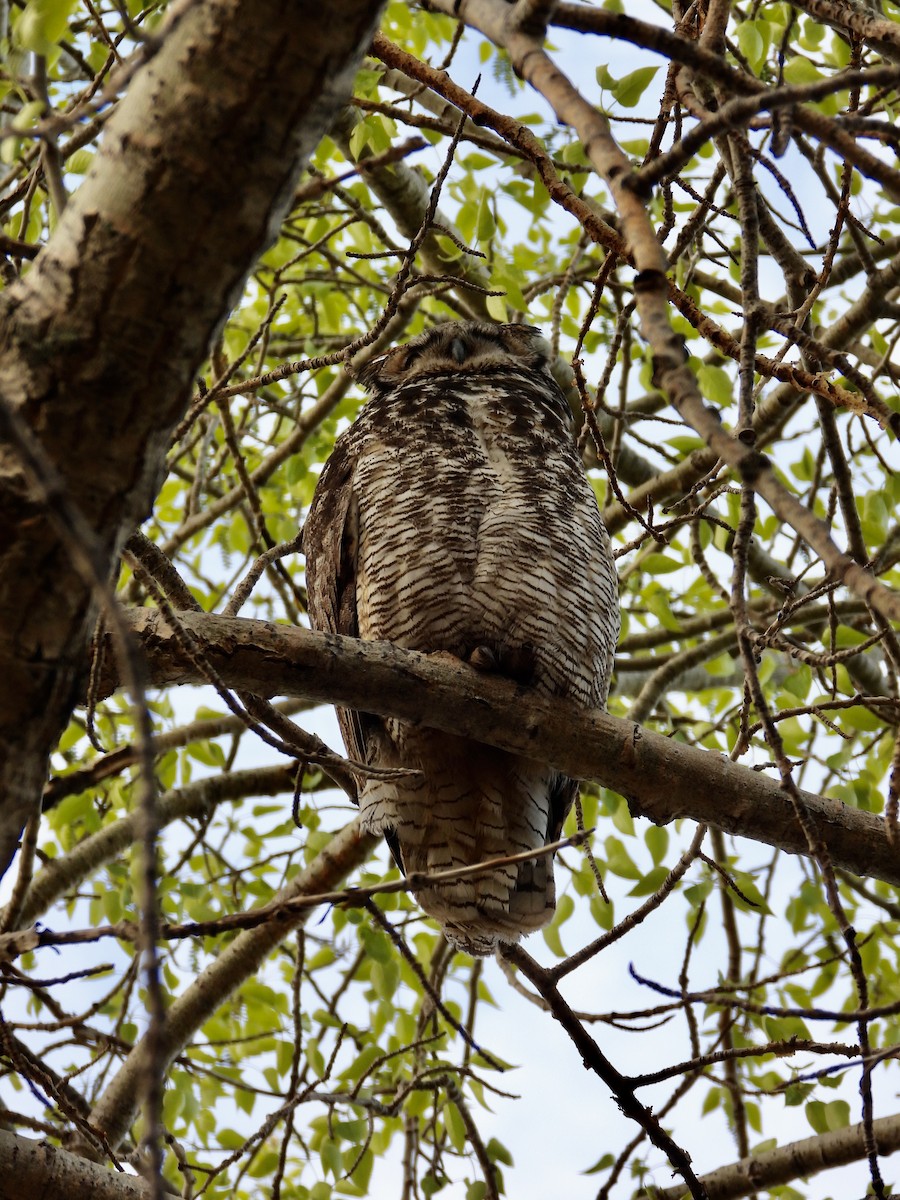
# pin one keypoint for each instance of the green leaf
(650, 882)
(209, 753)
(456, 1127)
(795, 1093)
(619, 861)
(28, 114)
(716, 385)
(622, 818)
(753, 40)
(754, 902)
(660, 564)
(497, 1152)
(812, 34)
(859, 717)
(332, 1158)
(657, 601)
(42, 23)
(629, 89)
(838, 51)
(314, 1057)
(112, 905)
(685, 443)
(603, 1163)
(602, 912)
(363, 1061)
(230, 1139)
(378, 945)
(79, 162)
(825, 1118)
(799, 681)
(564, 909)
(72, 736)
(800, 70)
(485, 225)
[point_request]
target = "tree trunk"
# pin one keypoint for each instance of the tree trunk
(100, 341)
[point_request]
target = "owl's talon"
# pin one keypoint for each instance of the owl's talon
(483, 658)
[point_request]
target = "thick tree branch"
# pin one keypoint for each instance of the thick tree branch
(32, 1168)
(662, 779)
(795, 1160)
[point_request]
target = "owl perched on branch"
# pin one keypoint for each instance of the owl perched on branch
(454, 515)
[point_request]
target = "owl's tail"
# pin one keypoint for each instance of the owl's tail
(471, 804)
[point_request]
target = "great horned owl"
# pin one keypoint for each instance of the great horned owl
(454, 515)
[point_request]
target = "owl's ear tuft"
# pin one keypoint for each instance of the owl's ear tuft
(531, 344)
(379, 373)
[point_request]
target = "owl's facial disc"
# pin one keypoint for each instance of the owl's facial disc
(459, 347)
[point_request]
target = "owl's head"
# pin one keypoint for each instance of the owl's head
(459, 348)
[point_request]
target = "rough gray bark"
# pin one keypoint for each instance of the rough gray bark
(793, 1161)
(662, 779)
(100, 340)
(36, 1169)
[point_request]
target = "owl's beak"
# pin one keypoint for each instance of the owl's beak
(459, 350)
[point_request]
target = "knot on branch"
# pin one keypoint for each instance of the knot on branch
(638, 184)
(651, 280)
(531, 18)
(673, 359)
(752, 466)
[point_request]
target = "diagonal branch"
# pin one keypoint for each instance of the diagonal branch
(595, 1060)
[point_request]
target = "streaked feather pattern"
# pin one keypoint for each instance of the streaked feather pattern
(454, 515)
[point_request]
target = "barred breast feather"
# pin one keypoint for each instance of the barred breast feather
(454, 515)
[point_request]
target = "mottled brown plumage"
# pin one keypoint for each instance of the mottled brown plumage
(454, 515)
